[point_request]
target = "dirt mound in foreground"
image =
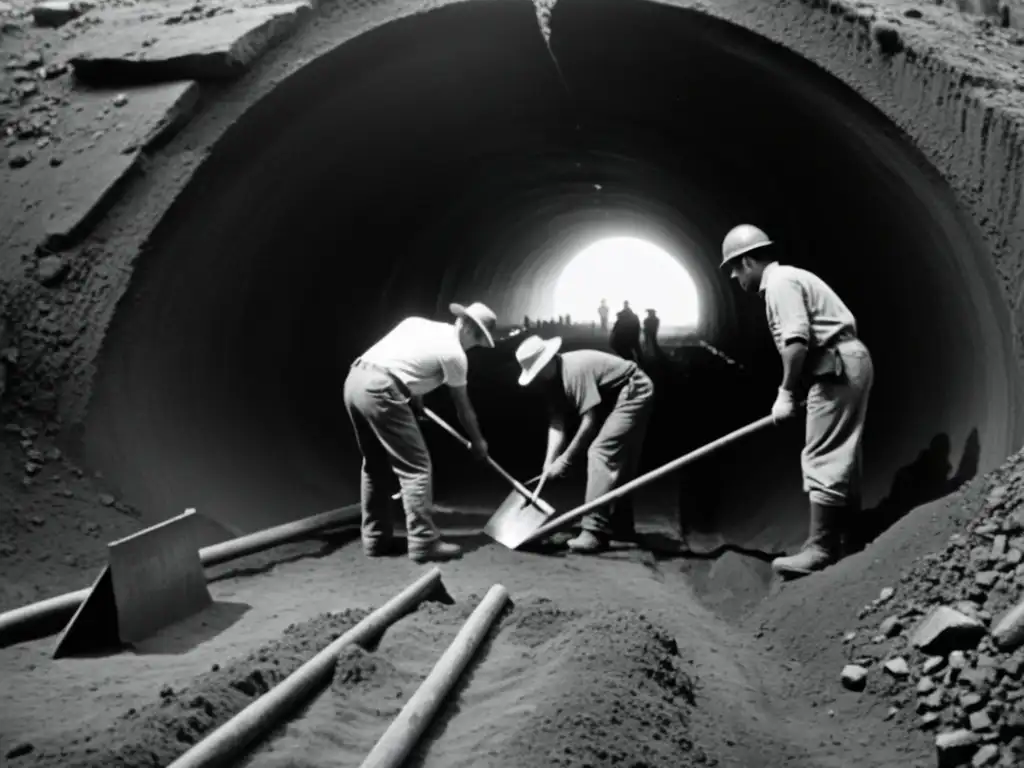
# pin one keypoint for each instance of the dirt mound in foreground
(155, 735)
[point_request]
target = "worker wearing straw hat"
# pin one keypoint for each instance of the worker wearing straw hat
(613, 399)
(383, 392)
(816, 336)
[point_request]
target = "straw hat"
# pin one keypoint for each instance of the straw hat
(481, 316)
(533, 354)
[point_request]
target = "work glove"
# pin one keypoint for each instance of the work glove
(784, 406)
(558, 467)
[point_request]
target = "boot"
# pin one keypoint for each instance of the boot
(822, 547)
(436, 551)
(381, 547)
(589, 543)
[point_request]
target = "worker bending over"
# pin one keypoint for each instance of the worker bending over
(613, 398)
(816, 335)
(384, 394)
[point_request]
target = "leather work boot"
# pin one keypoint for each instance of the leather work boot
(383, 547)
(822, 547)
(434, 551)
(588, 543)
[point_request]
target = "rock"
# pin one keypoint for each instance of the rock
(19, 750)
(987, 755)
(51, 270)
(53, 13)
(925, 686)
(107, 500)
(891, 627)
(150, 47)
(957, 660)
(897, 667)
(980, 721)
(929, 721)
(933, 664)
(80, 190)
(955, 747)
(945, 630)
(854, 677)
(1008, 634)
(970, 702)
(986, 579)
(998, 547)
(886, 594)
(19, 159)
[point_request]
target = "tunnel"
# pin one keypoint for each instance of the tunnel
(458, 155)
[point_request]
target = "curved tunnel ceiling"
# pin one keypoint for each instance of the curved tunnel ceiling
(440, 158)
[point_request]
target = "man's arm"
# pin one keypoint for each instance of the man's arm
(794, 354)
(589, 426)
(466, 414)
(790, 307)
(556, 440)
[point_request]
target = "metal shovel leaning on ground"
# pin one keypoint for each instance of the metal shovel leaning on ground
(516, 524)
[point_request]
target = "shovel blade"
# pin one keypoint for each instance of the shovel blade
(516, 519)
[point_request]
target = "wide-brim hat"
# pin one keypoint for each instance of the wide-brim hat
(481, 316)
(533, 354)
(741, 240)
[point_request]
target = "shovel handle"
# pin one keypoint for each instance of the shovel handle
(495, 465)
(581, 511)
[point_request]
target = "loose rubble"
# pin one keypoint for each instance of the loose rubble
(946, 646)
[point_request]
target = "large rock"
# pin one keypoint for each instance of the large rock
(56, 203)
(954, 748)
(169, 45)
(1009, 632)
(945, 630)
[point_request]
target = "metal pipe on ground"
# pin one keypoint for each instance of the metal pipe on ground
(405, 730)
(575, 514)
(48, 617)
(228, 742)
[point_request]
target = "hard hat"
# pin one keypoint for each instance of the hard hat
(740, 240)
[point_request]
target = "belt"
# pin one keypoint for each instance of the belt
(366, 365)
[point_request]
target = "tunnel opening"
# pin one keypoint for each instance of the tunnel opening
(440, 158)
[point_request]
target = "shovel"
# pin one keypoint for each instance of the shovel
(549, 527)
(518, 517)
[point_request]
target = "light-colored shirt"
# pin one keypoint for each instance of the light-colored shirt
(422, 354)
(800, 305)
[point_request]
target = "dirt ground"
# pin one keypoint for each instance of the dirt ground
(627, 659)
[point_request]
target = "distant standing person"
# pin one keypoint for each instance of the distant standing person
(816, 335)
(383, 396)
(613, 398)
(651, 324)
(625, 336)
(602, 313)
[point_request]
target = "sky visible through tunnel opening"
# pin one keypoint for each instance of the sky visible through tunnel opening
(619, 269)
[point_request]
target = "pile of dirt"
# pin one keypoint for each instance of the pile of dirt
(968, 690)
(612, 690)
(156, 734)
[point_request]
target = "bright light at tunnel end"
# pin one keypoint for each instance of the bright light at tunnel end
(619, 269)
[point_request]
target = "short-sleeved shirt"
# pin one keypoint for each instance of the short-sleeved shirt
(422, 354)
(800, 305)
(589, 379)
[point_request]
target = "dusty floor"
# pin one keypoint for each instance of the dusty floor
(688, 658)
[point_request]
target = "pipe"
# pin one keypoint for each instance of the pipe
(48, 617)
(654, 474)
(405, 730)
(227, 743)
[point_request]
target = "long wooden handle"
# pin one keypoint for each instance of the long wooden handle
(495, 465)
(581, 511)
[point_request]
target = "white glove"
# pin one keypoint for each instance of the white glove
(784, 406)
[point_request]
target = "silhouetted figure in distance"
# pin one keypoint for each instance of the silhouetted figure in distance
(625, 337)
(651, 324)
(602, 312)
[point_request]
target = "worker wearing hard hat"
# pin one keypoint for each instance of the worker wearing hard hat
(613, 399)
(383, 391)
(816, 336)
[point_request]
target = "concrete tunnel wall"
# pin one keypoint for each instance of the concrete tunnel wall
(439, 158)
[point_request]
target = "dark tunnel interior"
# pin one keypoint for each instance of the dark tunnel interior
(441, 158)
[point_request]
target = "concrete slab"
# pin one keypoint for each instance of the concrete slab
(158, 46)
(75, 177)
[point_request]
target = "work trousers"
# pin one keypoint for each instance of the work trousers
(832, 458)
(392, 445)
(614, 457)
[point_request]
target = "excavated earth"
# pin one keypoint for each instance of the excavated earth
(641, 658)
